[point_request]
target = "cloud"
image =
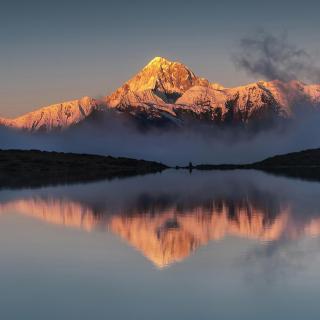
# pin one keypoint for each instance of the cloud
(273, 57)
(174, 147)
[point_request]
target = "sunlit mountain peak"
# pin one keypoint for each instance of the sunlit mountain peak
(169, 92)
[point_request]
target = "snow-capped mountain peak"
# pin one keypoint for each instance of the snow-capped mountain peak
(170, 91)
(166, 79)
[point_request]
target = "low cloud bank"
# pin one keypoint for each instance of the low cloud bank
(173, 147)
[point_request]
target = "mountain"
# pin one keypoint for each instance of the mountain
(57, 116)
(160, 78)
(169, 92)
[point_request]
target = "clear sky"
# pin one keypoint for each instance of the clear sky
(53, 51)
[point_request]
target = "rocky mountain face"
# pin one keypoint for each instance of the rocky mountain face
(57, 116)
(169, 92)
(3, 122)
(160, 78)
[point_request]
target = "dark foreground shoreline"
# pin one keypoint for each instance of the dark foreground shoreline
(303, 165)
(34, 168)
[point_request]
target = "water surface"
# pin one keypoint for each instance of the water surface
(173, 245)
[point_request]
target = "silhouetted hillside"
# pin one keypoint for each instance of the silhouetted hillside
(304, 165)
(35, 168)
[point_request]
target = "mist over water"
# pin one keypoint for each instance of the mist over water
(173, 147)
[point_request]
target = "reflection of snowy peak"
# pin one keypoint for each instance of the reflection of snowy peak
(171, 91)
(168, 234)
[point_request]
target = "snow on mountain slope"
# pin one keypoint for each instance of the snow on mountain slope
(138, 98)
(200, 97)
(170, 91)
(57, 116)
(168, 80)
(252, 99)
(313, 92)
(277, 97)
(243, 102)
(3, 122)
(293, 94)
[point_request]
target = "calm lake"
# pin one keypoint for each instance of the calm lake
(172, 245)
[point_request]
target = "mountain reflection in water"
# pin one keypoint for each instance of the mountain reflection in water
(168, 216)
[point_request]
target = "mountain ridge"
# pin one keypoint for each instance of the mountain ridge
(170, 91)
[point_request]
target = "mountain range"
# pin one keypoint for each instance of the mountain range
(169, 93)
